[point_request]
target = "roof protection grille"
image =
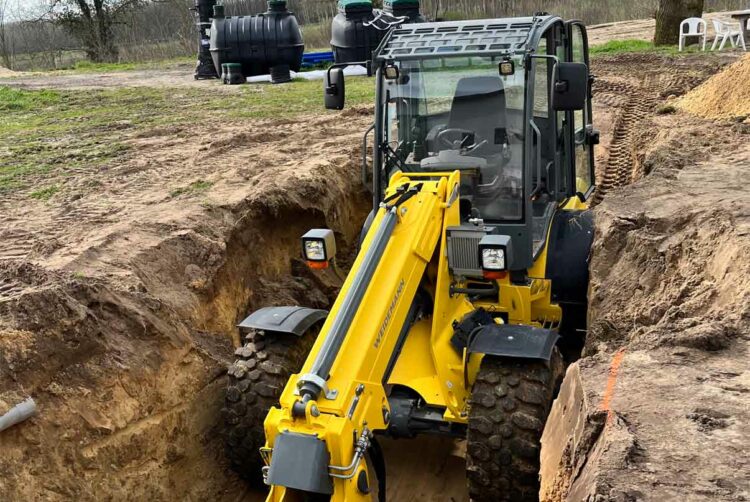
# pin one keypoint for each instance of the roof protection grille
(470, 37)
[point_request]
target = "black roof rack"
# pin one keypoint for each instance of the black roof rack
(470, 38)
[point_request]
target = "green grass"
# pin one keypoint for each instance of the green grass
(88, 66)
(45, 193)
(192, 188)
(157, 64)
(47, 136)
(19, 100)
(624, 46)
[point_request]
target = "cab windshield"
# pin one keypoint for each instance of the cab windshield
(460, 113)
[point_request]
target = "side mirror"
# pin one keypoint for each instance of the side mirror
(335, 91)
(570, 82)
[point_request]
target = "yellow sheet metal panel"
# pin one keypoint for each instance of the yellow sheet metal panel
(415, 367)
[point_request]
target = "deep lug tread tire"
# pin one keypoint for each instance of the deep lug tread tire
(255, 382)
(509, 405)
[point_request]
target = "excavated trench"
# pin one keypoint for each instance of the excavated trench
(127, 361)
(652, 410)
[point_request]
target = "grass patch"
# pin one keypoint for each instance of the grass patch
(88, 66)
(191, 189)
(45, 193)
(624, 46)
(47, 136)
(12, 99)
(666, 110)
(157, 64)
(299, 97)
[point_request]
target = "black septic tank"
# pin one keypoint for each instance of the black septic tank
(353, 38)
(357, 29)
(404, 8)
(270, 42)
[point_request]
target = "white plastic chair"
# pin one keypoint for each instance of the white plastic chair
(693, 27)
(725, 32)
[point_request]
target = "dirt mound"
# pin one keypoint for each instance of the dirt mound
(657, 407)
(5, 72)
(724, 96)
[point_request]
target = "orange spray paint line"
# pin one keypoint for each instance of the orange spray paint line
(609, 392)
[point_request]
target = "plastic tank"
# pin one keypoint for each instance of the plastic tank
(404, 8)
(264, 43)
(352, 40)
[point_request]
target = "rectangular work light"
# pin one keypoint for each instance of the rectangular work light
(495, 254)
(319, 247)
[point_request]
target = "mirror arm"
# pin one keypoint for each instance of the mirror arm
(367, 64)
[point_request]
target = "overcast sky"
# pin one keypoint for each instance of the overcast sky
(16, 10)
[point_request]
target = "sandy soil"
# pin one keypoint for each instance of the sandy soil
(177, 76)
(117, 304)
(723, 96)
(657, 408)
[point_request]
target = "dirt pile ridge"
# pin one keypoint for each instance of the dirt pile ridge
(5, 72)
(723, 96)
(658, 409)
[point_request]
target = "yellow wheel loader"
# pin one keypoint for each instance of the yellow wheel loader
(470, 283)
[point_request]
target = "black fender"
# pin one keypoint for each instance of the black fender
(514, 341)
(292, 320)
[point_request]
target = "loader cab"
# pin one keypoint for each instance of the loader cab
(507, 102)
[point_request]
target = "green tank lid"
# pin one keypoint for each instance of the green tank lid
(233, 65)
(401, 3)
(351, 5)
(277, 5)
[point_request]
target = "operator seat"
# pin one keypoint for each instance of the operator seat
(479, 105)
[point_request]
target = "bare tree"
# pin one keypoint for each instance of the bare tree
(92, 23)
(6, 41)
(669, 15)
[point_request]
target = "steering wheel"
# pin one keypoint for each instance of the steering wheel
(442, 138)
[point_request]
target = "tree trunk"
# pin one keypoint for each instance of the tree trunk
(670, 14)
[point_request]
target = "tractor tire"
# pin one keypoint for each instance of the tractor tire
(255, 382)
(509, 405)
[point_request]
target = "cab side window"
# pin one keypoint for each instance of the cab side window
(581, 119)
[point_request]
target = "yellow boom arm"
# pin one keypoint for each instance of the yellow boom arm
(317, 440)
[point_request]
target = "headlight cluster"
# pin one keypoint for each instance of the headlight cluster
(495, 255)
(493, 259)
(315, 250)
(319, 247)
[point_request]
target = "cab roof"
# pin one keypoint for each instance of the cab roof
(484, 37)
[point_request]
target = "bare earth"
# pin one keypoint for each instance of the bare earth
(118, 302)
